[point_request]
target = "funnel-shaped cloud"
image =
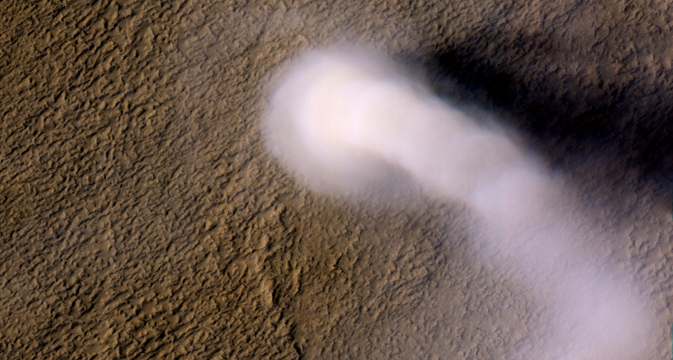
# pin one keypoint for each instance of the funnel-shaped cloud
(339, 119)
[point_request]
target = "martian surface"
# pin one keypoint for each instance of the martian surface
(176, 179)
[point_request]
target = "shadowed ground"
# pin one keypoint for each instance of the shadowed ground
(141, 217)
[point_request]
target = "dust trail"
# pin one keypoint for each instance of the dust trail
(339, 118)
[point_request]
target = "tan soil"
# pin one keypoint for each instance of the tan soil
(141, 216)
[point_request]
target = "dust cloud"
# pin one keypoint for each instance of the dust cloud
(339, 119)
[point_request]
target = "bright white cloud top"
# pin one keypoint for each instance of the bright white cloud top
(340, 119)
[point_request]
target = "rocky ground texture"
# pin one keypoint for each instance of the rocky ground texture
(141, 216)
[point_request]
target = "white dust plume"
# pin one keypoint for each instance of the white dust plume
(338, 119)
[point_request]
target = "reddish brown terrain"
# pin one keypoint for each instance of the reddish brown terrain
(142, 217)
